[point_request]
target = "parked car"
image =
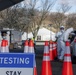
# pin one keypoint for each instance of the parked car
(73, 42)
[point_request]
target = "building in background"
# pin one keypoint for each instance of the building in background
(43, 35)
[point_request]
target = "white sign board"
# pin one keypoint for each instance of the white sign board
(16, 64)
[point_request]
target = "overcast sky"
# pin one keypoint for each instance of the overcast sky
(70, 2)
(67, 1)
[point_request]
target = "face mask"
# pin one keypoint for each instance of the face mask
(62, 31)
(4, 37)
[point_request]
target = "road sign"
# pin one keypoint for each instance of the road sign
(16, 64)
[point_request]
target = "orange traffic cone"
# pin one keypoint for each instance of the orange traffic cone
(7, 48)
(31, 50)
(46, 67)
(31, 46)
(54, 49)
(0, 46)
(26, 46)
(35, 69)
(75, 40)
(67, 65)
(3, 46)
(51, 51)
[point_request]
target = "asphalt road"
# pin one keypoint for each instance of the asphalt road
(56, 65)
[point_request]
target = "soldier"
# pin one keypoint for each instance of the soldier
(60, 43)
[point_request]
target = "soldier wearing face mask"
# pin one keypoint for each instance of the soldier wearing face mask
(60, 43)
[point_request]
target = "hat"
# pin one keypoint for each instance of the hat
(61, 26)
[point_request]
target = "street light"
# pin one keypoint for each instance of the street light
(50, 25)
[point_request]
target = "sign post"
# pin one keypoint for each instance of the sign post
(16, 64)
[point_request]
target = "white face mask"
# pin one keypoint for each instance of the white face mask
(4, 37)
(62, 31)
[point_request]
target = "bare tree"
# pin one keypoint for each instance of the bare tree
(39, 13)
(57, 19)
(60, 18)
(65, 8)
(14, 17)
(28, 16)
(71, 21)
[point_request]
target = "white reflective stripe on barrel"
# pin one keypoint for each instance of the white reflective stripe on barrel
(54, 45)
(46, 49)
(51, 49)
(26, 49)
(67, 50)
(3, 49)
(67, 59)
(46, 58)
(31, 49)
(54, 48)
(51, 45)
(7, 49)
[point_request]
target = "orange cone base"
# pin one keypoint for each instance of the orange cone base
(51, 56)
(35, 71)
(46, 68)
(67, 68)
(55, 53)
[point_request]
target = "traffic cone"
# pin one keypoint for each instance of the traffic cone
(55, 49)
(0, 46)
(67, 65)
(31, 50)
(31, 46)
(46, 67)
(51, 51)
(3, 46)
(35, 69)
(26, 46)
(75, 40)
(7, 48)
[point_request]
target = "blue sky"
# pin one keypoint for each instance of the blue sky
(70, 2)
